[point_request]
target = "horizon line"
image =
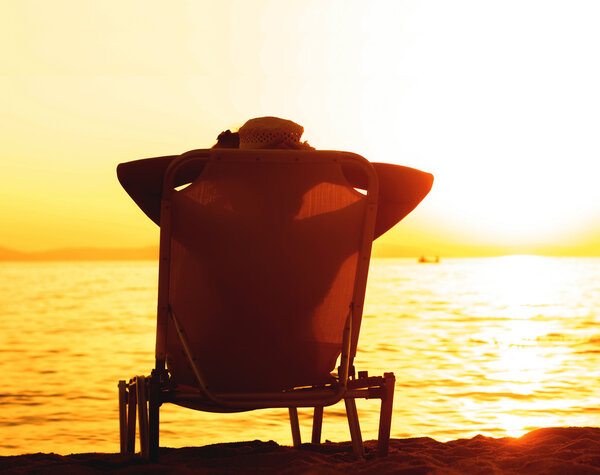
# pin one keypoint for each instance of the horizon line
(151, 253)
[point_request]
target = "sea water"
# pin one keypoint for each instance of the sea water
(494, 346)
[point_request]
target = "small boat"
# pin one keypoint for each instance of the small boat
(426, 260)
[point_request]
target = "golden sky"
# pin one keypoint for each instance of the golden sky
(498, 99)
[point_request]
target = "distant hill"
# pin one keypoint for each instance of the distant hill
(82, 254)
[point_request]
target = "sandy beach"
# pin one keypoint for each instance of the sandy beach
(561, 450)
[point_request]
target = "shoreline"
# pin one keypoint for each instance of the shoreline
(549, 450)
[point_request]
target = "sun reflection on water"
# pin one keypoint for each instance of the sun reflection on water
(521, 288)
(521, 283)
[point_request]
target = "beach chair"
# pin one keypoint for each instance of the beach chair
(262, 276)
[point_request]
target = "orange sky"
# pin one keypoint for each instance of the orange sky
(499, 100)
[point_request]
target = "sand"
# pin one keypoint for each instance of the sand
(562, 450)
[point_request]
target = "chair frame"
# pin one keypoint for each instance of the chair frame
(146, 394)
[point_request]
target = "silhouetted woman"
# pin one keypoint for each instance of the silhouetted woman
(236, 234)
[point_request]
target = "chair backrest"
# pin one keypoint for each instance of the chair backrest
(266, 252)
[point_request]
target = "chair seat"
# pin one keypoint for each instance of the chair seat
(193, 398)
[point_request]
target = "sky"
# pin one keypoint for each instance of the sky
(498, 99)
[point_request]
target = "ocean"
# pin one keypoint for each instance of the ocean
(492, 346)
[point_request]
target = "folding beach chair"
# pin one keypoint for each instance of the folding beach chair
(262, 276)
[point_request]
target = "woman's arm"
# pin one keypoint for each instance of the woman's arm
(401, 189)
(143, 181)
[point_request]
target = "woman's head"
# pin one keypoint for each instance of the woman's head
(264, 133)
(227, 139)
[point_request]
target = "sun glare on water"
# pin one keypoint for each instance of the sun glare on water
(522, 288)
(521, 282)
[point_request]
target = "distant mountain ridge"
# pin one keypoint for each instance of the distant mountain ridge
(82, 254)
(146, 253)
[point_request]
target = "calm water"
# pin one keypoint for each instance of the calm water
(494, 346)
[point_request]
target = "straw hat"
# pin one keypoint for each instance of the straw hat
(271, 132)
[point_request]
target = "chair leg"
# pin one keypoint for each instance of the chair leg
(153, 416)
(385, 415)
(142, 414)
(317, 425)
(357, 444)
(295, 426)
(123, 415)
(131, 414)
